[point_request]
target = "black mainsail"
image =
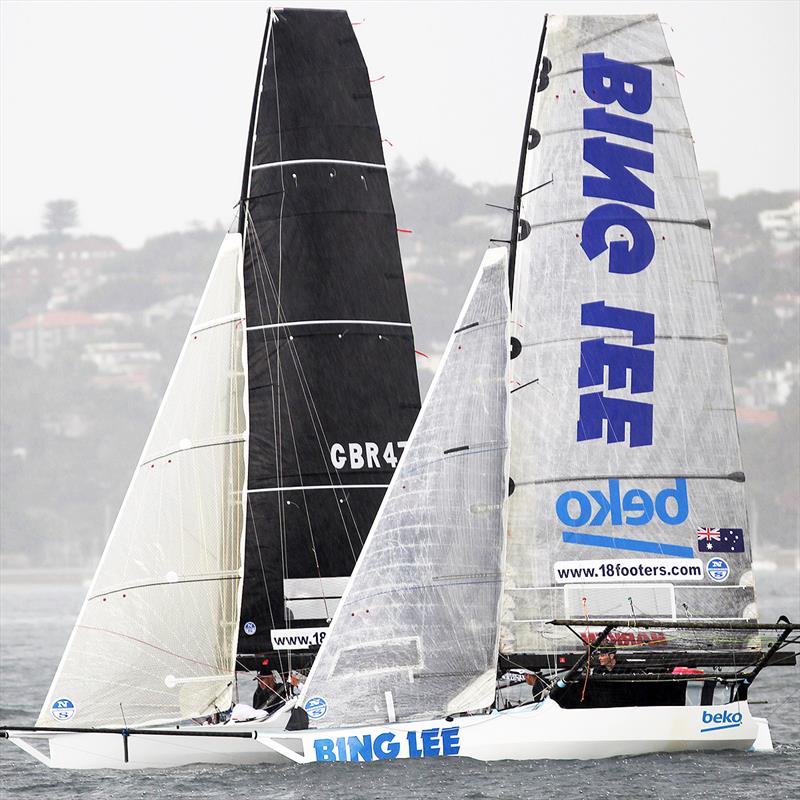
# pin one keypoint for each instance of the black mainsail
(333, 389)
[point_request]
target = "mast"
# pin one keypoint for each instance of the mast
(248, 153)
(527, 144)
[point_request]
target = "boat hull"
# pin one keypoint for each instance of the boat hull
(540, 731)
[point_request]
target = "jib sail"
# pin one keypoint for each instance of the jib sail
(416, 633)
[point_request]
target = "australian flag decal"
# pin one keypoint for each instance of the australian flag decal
(720, 540)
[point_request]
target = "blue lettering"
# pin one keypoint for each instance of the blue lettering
(606, 81)
(360, 748)
(450, 742)
(562, 508)
(600, 119)
(622, 259)
(678, 494)
(639, 323)
(341, 749)
(385, 746)
(614, 160)
(596, 354)
(595, 408)
(637, 500)
(413, 747)
(430, 742)
(323, 749)
(637, 504)
(605, 506)
(722, 717)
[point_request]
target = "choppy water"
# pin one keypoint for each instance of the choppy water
(35, 622)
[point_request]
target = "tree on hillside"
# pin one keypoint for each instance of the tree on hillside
(59, 215)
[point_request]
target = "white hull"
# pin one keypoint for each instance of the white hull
(541, 731)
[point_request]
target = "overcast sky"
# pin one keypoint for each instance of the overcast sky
(139, 110)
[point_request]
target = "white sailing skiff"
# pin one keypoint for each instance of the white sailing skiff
(556, 496)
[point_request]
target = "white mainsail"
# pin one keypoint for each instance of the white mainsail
(418, 619)
(155, 639)
(626, 447)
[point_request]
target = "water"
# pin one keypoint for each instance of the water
(35, 621)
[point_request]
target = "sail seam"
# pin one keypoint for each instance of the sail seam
(216, 323)
(699, 223)
(720, 338)
(165, 583)
(317, 161)
(327, 322)
(737, 477)
(223, 442)
(302, 488)
(684, 132)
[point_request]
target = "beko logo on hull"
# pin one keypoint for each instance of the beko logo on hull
(633, 507)
(720, 720)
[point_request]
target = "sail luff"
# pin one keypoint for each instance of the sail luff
(526, 140)
(251, 131)
(243, 219)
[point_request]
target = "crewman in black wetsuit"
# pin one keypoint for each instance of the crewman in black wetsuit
(599, 694)
(607, 660)
(267, 696)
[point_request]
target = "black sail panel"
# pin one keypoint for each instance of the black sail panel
(333, 389)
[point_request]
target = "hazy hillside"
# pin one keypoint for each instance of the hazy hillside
(90, 332)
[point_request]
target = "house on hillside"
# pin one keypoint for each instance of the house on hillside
(768, 388)
(39, 336)
(783, 226)
(125, 365)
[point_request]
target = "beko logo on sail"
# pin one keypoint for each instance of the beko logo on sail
(617, 366)
(634, 507)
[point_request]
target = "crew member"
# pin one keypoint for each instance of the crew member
(267, 695)
(607, 660)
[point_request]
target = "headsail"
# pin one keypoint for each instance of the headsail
(629, 496)
(155, 639)
(419, 616)
(333, 383)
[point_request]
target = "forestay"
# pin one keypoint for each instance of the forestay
(155, 638)
(629, 496)
(418, 619)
